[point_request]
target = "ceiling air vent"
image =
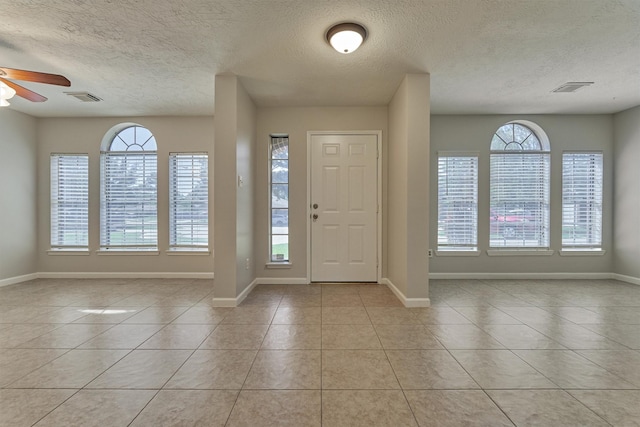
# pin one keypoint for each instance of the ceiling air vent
(570, 87)
(84, 96)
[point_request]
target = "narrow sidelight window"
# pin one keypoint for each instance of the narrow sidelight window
(279, 209)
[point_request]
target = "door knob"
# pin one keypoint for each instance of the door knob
(315, 217)
(315, 206)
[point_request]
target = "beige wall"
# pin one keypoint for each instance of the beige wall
(626, 204)
(233, 217)
(84, 135)
(565, 132)
(18, 199)
(408, 199)
(296, 122)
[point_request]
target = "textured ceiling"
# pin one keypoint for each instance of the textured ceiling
(158, 57)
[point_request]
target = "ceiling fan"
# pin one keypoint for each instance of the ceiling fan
(9, 88)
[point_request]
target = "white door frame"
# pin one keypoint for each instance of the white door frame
(378, 133)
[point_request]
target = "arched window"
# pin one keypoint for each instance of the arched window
(520, 163)
(128, 189)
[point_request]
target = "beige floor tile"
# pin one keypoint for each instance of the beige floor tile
(74, 369)
(298, 316)
(67, 336)
(174, 408)
(338, 299)
(357, 369)
(236, 337)
(90, 408)
(203, 315)
(500, 369)
(63, 315)
(122, 337)
(111, 315)
(406, 337)
(380, 299)
(294, 408)
(623, 363)
(392, 316)
(487, 316)
(18, 334)
(440, 316)
(350, 337)
(16, 363)
(544, 408)
(213, 369)
(285, 369)
(142, 369)
(178, 337)
(429, 369)
(249, 316)
(261, 300)
(618, 407)
(24, 407)
(529, 315)
(625, 334)
(572, 371)
(455, 408)
(152, 315)
(365, 408)
(576, 337)
(22, 313)
(521, 337)
(345, 316)
(301, 299)
(290, 337)
(464, 337)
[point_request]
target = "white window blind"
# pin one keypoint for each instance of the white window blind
(188, 201)
(457, 202)
(128, 208)
(582, 200)
(279, 218)
(69, 201)
(519, 188)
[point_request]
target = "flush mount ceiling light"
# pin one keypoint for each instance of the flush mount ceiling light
(346, 37)
(6, 93)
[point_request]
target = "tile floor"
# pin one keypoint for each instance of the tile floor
(155, 353)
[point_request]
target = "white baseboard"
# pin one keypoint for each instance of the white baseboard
(627, 279)
(282, 281)
(408, 302)
(18, 279)
(123, 275)
(233, 302)
(520, 276)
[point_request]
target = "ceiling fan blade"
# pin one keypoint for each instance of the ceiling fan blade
(34, 76)
(23, 91)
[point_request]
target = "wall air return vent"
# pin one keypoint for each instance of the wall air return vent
(570, 87)
(84, 96)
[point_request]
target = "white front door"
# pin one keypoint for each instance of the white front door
(344, 204)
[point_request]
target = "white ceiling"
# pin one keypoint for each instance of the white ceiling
(159, 57)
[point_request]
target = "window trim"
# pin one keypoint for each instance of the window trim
(545, 151)
(473, 250)
(582, 250)
(105, 151)
(272, 263)
(67, 249)
(192, 249)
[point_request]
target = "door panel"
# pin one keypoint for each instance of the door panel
(344, 186)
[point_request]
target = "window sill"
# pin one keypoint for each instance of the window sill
(457, 253)
(279, 265)
(133, 252)
(188, 252)
(587, 252)
(520, 252)
(69, 252)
